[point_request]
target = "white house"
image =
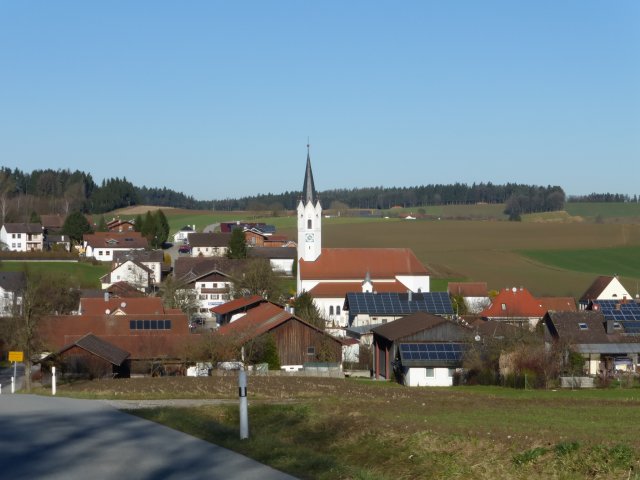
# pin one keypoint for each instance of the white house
(328, 274)
(604, 288)
(103, 245)
(132, 272)
(280, 258)
(209, 244)
(12, 285)
(207, 277)
(22, 237)
(152, 259)
(182, 235)
(474, 294)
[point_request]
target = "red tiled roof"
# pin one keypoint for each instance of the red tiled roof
(354, 263)
(517, 303)
(132, 305)
(340, 289)
(558, 304)
(237, 304)
(257, 321)
(468, 289)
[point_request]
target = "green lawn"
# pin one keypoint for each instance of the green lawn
(81, 274)
(603, 210)
(623, 261)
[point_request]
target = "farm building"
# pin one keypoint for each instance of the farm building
(297, 342)
(474, 294)
(90, 357)
(420, 349)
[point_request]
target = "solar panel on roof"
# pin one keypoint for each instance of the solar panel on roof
(388, 303)
(450, 352)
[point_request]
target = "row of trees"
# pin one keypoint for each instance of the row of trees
(604, 197)
(67, 191)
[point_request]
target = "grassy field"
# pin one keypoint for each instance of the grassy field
(603, 211)
(318, 428)
(81, 274)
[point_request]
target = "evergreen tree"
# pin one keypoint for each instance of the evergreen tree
(306, 309)
(237, 244)
(163, 228)
(137, 226)
(76, 225)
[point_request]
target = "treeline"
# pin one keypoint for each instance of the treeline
(603, 198)
(63, 191)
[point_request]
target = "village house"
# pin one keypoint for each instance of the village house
(420, 349)
(604, 288)
(280, 258)
(207, 277)
(103, 245)
(22, 237)
(182, 235)
(132, 272)
(209, 244)
(608, 342)
(474, 294)
(517, 306)
(117, 225)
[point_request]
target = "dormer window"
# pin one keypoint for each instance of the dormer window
(583, 326)
(504, 307)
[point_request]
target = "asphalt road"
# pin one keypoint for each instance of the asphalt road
(64, 438)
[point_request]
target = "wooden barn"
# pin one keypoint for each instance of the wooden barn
(90, 357)
(297, 341)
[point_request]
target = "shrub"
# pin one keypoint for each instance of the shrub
(529, 455)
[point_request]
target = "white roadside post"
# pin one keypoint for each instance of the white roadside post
(13, 384)
(53, 380)
(244, 415)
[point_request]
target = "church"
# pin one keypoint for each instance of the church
(328, 274)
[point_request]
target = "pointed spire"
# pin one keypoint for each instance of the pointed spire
(308, 189)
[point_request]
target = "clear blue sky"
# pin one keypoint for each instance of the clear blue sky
(216, 99)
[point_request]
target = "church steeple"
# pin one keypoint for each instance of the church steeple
(309, 193)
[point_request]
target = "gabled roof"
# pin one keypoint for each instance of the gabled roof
(514, 303)
(129, 306)
(100, 348)
(143, 256)
(115, 240)
(189, 269)
(52, 221)
(597, 288)
(567, 327)
(259, 320)
(468, 289)
(107, 277)
(123, 289)
(209, 239)
(13, 281)
(33, 228)
(340, 289)
(409, 325)
(238, 304)
(395, 304)
(283, 253)
(354, 263)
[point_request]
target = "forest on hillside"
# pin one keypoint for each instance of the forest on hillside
(62, 191)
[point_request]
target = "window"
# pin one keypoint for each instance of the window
(99, 253)
(430, 373)
(309, 224)
(311, 351)
(215, 297)
(202, 297)
(338, 310)
(331, 310)
(583, 326)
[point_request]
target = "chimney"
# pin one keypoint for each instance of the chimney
(410, 295)
(609, 326)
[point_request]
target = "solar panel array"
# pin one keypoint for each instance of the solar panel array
(627, 314)
(387, 303)
(451, 352)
